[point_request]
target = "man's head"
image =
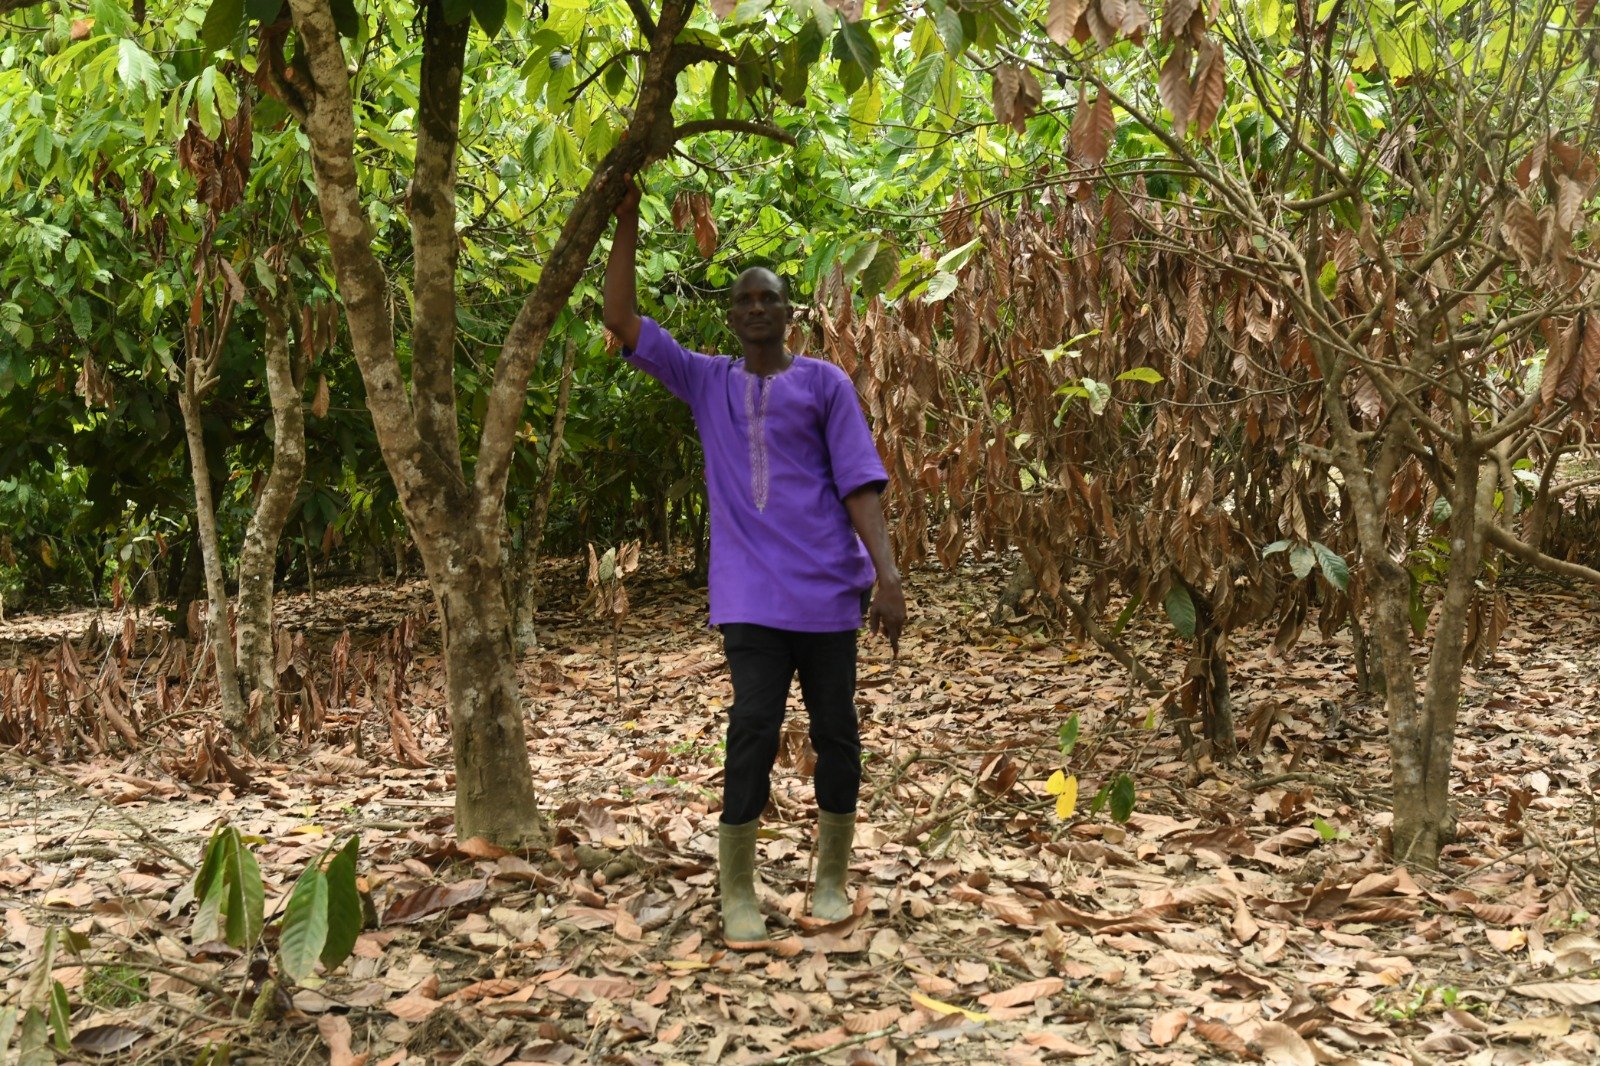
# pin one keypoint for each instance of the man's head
(758, 307)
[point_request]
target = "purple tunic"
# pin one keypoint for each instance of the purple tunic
(782, 453)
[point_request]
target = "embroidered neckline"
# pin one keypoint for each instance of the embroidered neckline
(755, 413)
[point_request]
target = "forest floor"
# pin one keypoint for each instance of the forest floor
(1240, 913)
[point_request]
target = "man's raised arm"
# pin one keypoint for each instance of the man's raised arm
(621, 304)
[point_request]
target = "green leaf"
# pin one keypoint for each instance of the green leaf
(305, 925)
(1122, 798)
(1333, 566)
(224, 19)
(859, 259)
(816, 13)
(1328, 279)
(1069, 735)
(1180, 608)
(1302, 560)
(1099, 801)
(33, 1045)
(211, 862)
(956, 258)
(948, 23)
(44, 145)
(61, 1017)
(1148, 375)
(344, 905)
(940, 286)
(264, 11)
(8, 1025)
(345, 18)
(491, 15)
(1419, 608)
(880, 272)
(1275, 547)
(919, 84)
(136, 69)
(853, 43)
(1099, 394)
(1324, 830)
(794, 73)
(719, 91)
(246, 904)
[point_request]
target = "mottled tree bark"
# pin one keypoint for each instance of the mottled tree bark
(235, 712)
(258, 556)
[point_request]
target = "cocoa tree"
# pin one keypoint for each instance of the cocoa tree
(454, 497)
(1417, 235)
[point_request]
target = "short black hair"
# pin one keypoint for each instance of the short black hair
(783, 282)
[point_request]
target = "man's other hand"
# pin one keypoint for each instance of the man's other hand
(888, 612)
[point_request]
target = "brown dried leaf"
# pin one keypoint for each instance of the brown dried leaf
(1568, 993)
(1061, 21)
(1210, 86)
(1280, 1045)
(335, 1032)
(1028, 992)
(319, 403)
(1165, 1027)
(1220, 1035)
(1173, 86)
(872, 1021)
(1092, 128)
(434, 899)
(1175, 17)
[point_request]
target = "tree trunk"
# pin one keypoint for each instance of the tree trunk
(1208, 675)
(526, 591)
(494, 789)
(1429, 822)
(235, 712)
(257, 558)
(458, 519)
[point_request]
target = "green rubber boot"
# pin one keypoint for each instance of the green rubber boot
(836, 832)
(742, 924)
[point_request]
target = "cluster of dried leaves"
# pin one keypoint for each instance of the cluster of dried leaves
(1233, 915)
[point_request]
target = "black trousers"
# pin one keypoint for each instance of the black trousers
(763, 662)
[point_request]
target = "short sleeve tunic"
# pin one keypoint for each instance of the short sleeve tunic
(781, 454)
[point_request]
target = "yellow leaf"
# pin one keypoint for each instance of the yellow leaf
(309, 830)
(940, 1007)
(1057, 783)
(1067, 797)
(686, 964)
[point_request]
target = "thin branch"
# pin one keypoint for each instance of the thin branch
(732, 125)
(1513, 545)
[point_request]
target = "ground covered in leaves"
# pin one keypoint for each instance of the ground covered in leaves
(1240, 913)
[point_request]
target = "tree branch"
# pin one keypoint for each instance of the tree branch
(362, 283)
(1521, 549)
(732, 125)
(432, 206)
(8, 6)
(641, 15)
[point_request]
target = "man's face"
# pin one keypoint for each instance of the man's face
(758, 310)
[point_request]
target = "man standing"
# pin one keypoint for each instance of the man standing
(797, 538)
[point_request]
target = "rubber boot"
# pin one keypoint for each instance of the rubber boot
(743, 926)
(835, 834)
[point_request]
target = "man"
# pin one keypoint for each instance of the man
(797, 537)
